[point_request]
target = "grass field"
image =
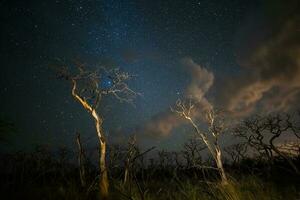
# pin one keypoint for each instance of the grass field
(26, 176)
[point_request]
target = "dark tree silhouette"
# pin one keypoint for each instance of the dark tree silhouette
(192, 152)
(262, 132)
(237, 152)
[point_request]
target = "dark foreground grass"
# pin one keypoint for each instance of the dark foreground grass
(243, 188)
(38, 176)
(246, 188)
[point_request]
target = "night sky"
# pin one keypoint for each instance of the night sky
(242, 55)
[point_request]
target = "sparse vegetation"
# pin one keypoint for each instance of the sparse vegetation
(135, 174)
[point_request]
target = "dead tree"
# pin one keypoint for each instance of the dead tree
(88, 88)
(252, 130)
(163, 159)
(192, 153)
(132, 151)
(210, 138)
(81, 161)
(133, 154)
(116, 155)
(237, 152)
(261, 133)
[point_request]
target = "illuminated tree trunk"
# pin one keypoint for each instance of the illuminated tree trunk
(217, 155)
(214, 149)
(219, 163)
(103, 180)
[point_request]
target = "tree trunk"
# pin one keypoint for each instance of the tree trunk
(126, 173)
(217, 155)
(289, 161)
(81, 162)
(219, 163)
(103, 181)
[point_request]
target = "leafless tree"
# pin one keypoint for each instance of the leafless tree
(252, 130)
(133, 154)
(81, 161)
(261, 133)
(116, 155)
(88, 90)
(210, 137)
(164, 159)
(237, 152)
(132, 151)
(192, 152)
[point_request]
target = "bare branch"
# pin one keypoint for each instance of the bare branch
(215, 128)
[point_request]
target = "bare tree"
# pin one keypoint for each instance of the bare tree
(252, 130)
(262, 132)
(81, 161)
(116, 155)
(164, 159)
(88, 89)
(192, 152)
(132, 152)
(237, 152)
(210, 138)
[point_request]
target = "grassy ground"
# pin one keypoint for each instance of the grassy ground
(246, 188)
(40, 177)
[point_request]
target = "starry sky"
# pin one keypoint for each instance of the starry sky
(230, 41)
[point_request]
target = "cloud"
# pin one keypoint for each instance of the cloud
(163, 123)
(270, 77)
(201, 80)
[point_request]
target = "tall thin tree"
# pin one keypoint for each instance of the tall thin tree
(88, 88)
(210, 138)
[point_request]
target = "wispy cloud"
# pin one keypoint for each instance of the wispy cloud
(270, 77)
(163, 123)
